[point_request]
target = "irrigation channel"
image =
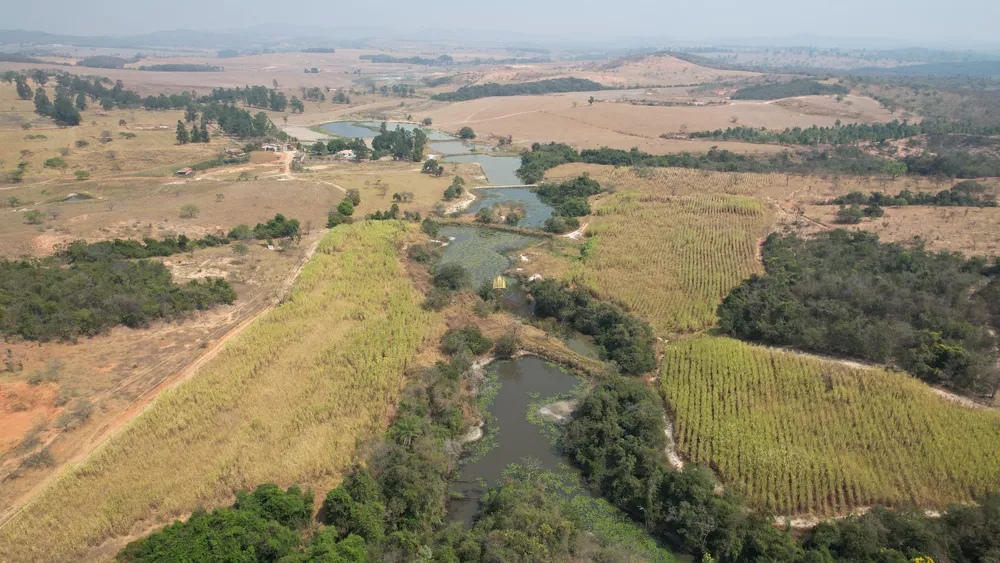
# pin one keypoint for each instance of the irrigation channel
(524, 400)
(499, 170)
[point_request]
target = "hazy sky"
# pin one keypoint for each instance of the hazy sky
(915, 22)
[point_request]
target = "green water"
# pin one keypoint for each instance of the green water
(483, 252)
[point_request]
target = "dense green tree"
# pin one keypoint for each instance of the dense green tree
(43, 106)
(81, 101)
(204, 132)
(182, 134)
(64, 112)
(847, 293)
(23, 90)
(346, 207)
(466, 133)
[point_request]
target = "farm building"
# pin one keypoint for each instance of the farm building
(184, 172)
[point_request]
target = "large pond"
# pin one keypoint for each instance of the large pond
(499, 170)
(536, 212)
(521, 386)
(483, 252)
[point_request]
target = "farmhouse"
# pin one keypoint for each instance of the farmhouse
(184, 172)
(346, 154)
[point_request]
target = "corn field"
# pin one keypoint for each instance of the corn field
(800, 434)
(286, 401)
(672, 258)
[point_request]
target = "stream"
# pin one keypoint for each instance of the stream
(522, 385)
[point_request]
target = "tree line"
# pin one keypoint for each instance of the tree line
(179, 67)
(963, 194)
(850, 134)
(616, 437)
(381, 58)
(523, 89)
(798, 87)
(48, 300)
(621, 337)
(846, 293)
(836, 160)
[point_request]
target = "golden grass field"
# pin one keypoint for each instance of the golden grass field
(286, 401)
(669, 246)
(799, 434)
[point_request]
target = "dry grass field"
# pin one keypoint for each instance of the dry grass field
(286, 401)
(647, 70)
(970, 230)
(799, 434)
(570, 119)
(154, 150)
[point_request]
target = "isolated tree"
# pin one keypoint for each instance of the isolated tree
(43, 106)
(23, 90)
(195, 135)
(427, 121)
(189, 211)
(182, 134)
(274, 83)
(64, 112)
(354, 195)
(204, 132)
(34, 217)
(896, 169)
(466, 133)
(591, 100)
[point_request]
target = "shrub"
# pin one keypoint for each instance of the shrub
(39, 459)
(849, 215)
(469, 339)
(81, 174)
(55, 162)
(507, 345)
(354, 195)
(34, 217)
(430, 228)
(451, 276)
(80, 143)
(335, 218)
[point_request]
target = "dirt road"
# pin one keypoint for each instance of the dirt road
(172, 379)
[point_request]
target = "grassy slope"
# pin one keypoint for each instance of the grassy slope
(286, 402)
(801, 434)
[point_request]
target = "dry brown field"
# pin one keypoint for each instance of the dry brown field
(569, 118)
(969, 230)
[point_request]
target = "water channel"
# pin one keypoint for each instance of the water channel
(522, 386)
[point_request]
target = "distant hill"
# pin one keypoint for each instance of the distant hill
(975, 68)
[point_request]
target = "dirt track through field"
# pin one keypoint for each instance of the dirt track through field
(145, 399)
